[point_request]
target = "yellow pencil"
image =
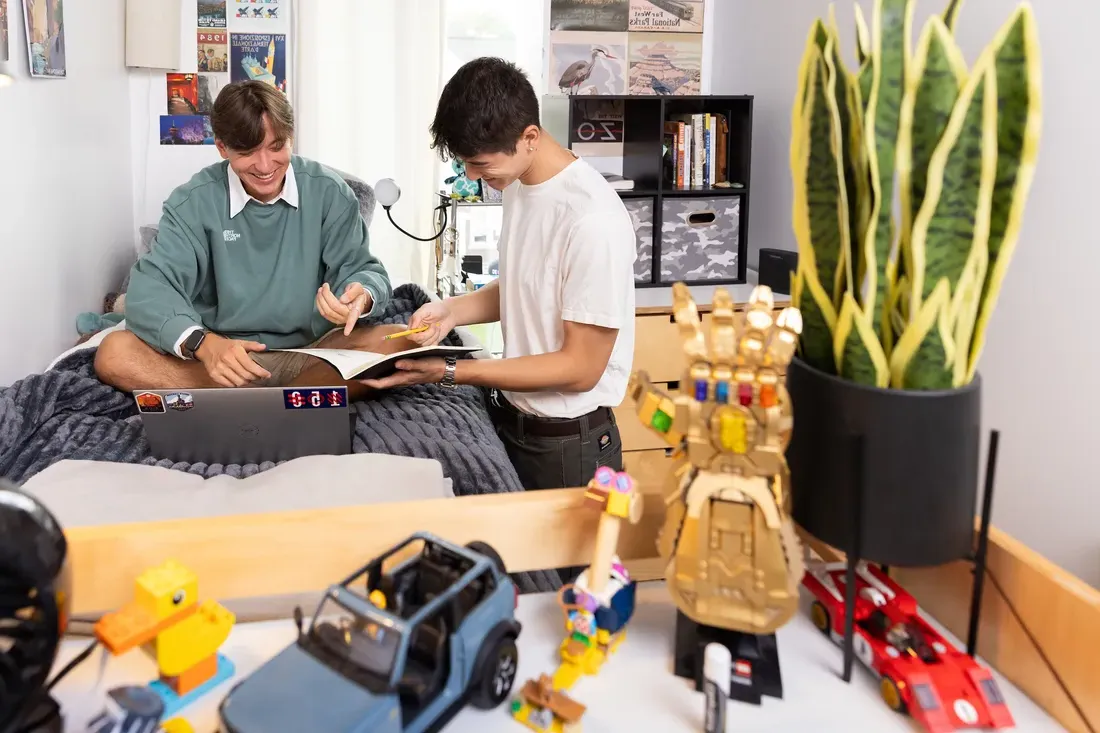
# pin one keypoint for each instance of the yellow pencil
(399, 334)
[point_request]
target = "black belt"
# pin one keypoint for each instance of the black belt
(550, 427)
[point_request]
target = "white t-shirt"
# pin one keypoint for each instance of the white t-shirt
(567, 250)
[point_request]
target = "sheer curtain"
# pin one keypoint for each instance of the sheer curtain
(367, 78)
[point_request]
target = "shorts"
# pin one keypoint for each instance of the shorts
(285, 366)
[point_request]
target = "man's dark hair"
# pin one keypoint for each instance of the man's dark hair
(238, 115)
(484, 108)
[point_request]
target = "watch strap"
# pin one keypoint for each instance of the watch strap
(450, 362)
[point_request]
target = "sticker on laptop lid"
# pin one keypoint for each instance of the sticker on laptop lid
(305, 399)
(179, 401)
(148, 402)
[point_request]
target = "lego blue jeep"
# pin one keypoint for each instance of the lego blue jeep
(400, 646)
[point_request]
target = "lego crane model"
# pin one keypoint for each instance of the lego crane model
(735, 562)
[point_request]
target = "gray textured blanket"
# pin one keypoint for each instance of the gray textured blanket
(68, 413)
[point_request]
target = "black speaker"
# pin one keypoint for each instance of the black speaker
(775, 268)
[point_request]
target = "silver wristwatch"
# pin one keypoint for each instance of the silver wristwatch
(448, 380)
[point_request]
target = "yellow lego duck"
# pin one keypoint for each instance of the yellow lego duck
(182, 635)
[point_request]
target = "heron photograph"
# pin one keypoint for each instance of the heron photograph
(589, 15)
(587, 63)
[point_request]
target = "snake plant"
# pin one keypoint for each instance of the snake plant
(901, 295)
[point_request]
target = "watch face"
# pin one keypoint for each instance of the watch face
(193, 341)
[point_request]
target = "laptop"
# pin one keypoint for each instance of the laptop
(247, 424)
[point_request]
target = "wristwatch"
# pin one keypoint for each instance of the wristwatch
(192, 343)
(448, 380)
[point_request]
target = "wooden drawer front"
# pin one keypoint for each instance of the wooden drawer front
(635, 435)
(650, 469)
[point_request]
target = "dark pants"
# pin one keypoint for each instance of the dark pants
(556, 453)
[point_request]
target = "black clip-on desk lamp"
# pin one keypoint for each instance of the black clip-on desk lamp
(387, 192)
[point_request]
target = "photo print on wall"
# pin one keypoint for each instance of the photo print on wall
(589, 15)
(213, 51)
(666, 63)
(3, 30)
(256, 9)
(208, 86)
(211, 13)
(45, 26)
(185, 130)
(587, 63)
(183, 94)
(675, 16)
(259, 56)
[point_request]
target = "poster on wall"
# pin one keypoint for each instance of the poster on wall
(665, 63)
(213, 50)
(207, 87)
(256, 9)
(45, 38)
(185, 130)
(587, 63)
(183, 94)
(676, 16)
(3, 30)
(260, 57)
(211, 13)
(589, 15)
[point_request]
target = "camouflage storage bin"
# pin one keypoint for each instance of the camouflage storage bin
(641, 214)
(699, 238)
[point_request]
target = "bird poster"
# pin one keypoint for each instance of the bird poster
(587, 63)
(666, 63)
(666, 16)
(3, 30)
(589, 15)
(45, 26)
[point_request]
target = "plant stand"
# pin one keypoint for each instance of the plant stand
(853, 553)
(754, 670)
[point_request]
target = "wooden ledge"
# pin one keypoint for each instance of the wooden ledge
(295, 552)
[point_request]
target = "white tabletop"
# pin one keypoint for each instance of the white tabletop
(635, 691)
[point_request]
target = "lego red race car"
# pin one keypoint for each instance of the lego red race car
(920, 672)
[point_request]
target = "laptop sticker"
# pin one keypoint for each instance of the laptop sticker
(305, 399)
(179, 401)
(149, 402)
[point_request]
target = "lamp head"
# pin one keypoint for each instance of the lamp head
(387, 193)
(5, 80)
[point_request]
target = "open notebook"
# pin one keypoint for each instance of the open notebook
(368, 365)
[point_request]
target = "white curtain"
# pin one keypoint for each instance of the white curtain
(367, 78)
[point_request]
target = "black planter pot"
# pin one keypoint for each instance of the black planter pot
(913, 455)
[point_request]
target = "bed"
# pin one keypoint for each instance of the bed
(66, 413)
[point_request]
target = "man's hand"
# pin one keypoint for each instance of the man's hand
(411, 371)
(345, 310)
(228, 362)
(437, 317)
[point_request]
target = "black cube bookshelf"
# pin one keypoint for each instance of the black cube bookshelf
(723, 240)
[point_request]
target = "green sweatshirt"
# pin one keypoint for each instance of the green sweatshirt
(253, 276)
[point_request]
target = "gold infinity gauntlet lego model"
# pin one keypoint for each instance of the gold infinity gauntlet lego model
(734, 559)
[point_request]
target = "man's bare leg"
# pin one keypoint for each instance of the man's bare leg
(320, 373)
(127, 363)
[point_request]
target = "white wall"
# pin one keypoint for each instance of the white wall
(1040, 361)
(65, 186)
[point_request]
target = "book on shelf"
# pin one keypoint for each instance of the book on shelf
(368, 365)
(697, 150)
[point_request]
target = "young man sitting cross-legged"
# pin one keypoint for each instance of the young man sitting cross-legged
(264, 250)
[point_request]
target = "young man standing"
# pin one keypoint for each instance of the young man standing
(565, 295)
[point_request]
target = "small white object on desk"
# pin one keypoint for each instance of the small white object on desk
(717, 662)
(634, 691)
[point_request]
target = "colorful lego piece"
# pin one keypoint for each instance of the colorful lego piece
(542, 708)
(182, 635)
